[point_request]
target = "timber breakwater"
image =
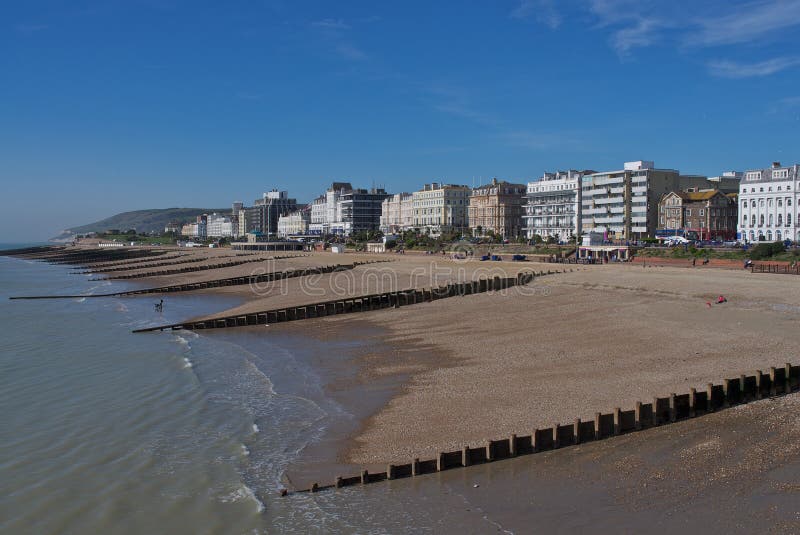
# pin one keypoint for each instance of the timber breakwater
(217, 283)
(661, 411)
(361, 303)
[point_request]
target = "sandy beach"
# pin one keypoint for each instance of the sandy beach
(467, 369)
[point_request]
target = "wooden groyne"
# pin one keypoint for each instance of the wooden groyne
(80, 256)
(660, 411)
(216, 283)
(125, 263)
(360, 303)
(786, 269)
(175, 262)
(191, 269)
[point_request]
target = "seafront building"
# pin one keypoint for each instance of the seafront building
(768, 209)
(263, 215)
(441, 208)
(397, 213)
(197, 229)
(496, 207)
(343, 210)
(219, 226)
(727, 182)
(623, 204)
(553, 207)
(698, 214)
(295, 223)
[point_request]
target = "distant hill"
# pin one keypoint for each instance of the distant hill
(144, 221)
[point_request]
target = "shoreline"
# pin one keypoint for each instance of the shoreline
(438, 376)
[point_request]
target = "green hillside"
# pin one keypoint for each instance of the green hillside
(144, 221)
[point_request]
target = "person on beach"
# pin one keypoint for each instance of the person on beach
(159, 306)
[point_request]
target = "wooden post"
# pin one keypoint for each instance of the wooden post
(597, 431)
(489, 452)
(338, 483)
(742, 396)
(576, 431)
(637, 415)
(758, 384)
(556, 443)
(314, 487)
(788, 377)
(390, 472)
(692, 402)
(535, 446)
(772, 390)
(726, 393)
(617, 421)
(673, 410)
(415, 466)
(512, 445)
(655, 411)
(710, 397)
(364, 477)
(465, 456)
(440, 462)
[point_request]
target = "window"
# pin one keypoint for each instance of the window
(752, 221)
(780, 173)
(753, 175)
(761, 220)
(688, 212)
(702, 212)
(753, 203)
(770, 220)
(780, 203)
(788, 202)
(788, 220)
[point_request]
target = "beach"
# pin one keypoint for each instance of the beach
(400, 383)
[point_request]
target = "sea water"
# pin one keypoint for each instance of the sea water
(105, 431)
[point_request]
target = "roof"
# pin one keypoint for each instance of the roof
(695, 196)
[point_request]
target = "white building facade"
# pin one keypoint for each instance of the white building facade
(397, 213)
(294, 224)
(553, 207)
(768, 209)
(441, 207)
(219, 226)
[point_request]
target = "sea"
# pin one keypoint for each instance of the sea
(106, 431)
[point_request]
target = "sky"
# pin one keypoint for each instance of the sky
(115, 105)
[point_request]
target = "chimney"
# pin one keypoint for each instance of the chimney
(775, 165)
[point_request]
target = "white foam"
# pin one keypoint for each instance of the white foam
(255, 428)
(121, 307)
(187, 363)
(81, 300)
(245, 451)
(243, 493)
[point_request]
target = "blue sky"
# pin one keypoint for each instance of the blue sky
(108, 106)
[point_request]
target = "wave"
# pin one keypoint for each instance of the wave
(243, 493)
(245, 451)
(187, 363)
(255, 428)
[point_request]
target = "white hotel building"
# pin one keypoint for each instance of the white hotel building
(553, 206)
(768, 209)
